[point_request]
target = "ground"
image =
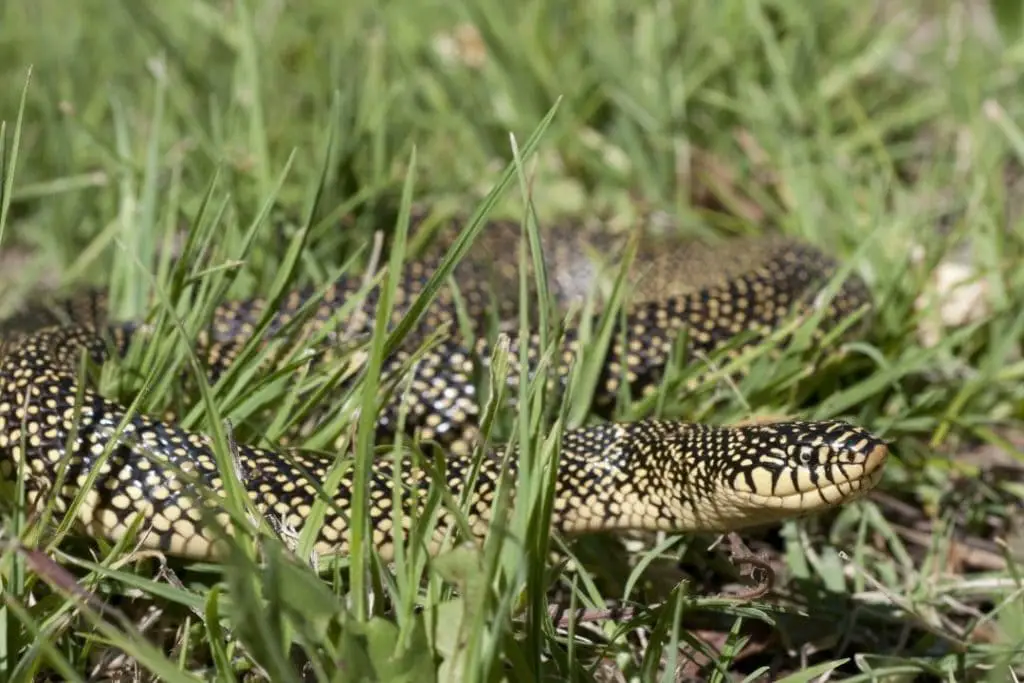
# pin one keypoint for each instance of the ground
(214, 132)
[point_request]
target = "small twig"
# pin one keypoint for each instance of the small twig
(741, 555)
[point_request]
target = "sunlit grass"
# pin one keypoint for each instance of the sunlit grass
(186, 154)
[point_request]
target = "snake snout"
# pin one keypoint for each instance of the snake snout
(833, 467)
(816, 465)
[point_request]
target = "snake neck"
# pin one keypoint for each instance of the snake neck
(653, 470)
(689, 477)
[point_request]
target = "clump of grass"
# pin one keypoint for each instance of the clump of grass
(153, 147)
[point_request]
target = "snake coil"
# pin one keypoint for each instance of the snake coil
(649, 474)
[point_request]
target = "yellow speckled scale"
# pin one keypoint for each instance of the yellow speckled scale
(650, 474)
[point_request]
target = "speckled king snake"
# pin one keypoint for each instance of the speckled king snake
(649, 474)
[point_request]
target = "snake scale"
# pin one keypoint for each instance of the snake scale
(648, 474)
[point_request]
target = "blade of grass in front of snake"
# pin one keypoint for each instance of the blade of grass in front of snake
(255, 350)
(504, 551)
(498, 369)
(360, 520)
(284, 275)
(529, 226)
(346, 413)
(594, 354)
(503, 547)
(448, 263)
(463, 242)
(536, 528)
(291, 351)
(409, 561)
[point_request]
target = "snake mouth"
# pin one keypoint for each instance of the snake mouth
(843, 483)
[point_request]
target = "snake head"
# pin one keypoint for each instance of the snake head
(790, 468)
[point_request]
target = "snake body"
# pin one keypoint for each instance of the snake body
(649, 474)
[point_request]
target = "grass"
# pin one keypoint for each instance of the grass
(185, 154)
